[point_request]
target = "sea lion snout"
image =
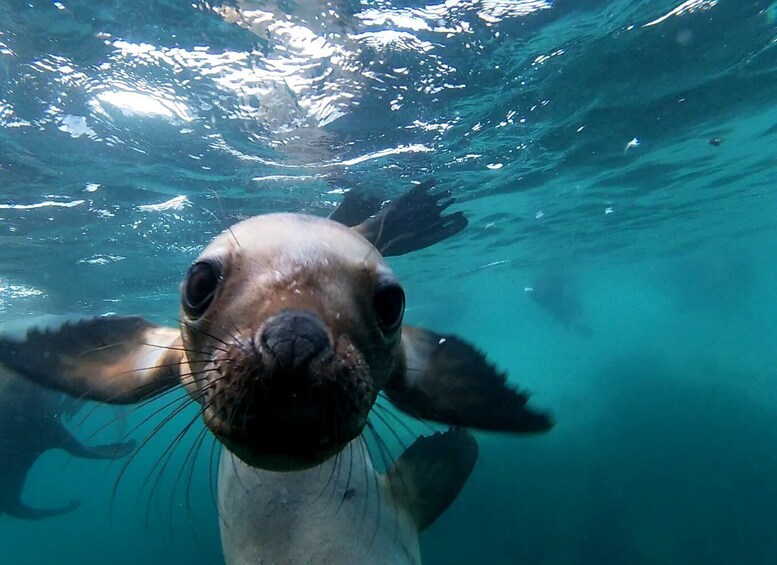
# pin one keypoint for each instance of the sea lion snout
(287, 396)
(293, 339)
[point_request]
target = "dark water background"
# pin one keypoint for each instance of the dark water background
(131, 133)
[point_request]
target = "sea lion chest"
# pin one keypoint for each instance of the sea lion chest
(341, 512)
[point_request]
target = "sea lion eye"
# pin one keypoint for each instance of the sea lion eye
(389, 304)
(202, 280)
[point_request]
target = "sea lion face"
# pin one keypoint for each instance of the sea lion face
(291, 326)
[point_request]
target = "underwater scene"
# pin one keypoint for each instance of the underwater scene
(526, 316)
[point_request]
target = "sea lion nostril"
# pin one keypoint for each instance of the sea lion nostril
(294, 338)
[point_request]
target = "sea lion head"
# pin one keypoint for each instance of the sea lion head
(291, 326)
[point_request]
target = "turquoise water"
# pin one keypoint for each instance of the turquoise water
(625, 148)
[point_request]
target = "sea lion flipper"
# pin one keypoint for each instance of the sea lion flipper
(357, 205)
(110, 358)
(429, 475)
(69, 406)
(20, 510)
(76, 448)
(413, 221)
(447, 380)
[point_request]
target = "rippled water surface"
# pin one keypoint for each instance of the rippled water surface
(617, 158)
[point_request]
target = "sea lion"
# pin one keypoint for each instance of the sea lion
(30, 424)
(557, 293)
(343, 511)
(290, 327)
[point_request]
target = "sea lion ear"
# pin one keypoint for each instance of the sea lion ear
(413, 221)
(449, 381)
(114, 359)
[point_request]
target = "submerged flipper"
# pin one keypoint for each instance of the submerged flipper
(357, 206)
(449, 381)
(429, 475)
(413, 221)
(21, 510)
(76, 448)
(114, 359)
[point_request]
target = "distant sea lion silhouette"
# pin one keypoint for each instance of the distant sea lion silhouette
(30, 424)
(557, 293)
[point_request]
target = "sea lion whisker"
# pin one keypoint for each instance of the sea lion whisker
(214, 441)
(237, 475)
(185, 402)
(233, 408)
(230, 422)
(412, 413)
(218, 198)
(112, 399)
(167, 456)
(364, 456)
(337, 465)
(117, 418)
(160, 366)
(348, 480)
(200, 438)
(337, 455)
(191, 455)
(377, 487)
(198, 442)
(198, 372)
(386, 410)
(388, 426)
(386, 457)
(246, 409)
(383, 449)
(197, 376)
(329, 479)
(222, 461)
(389, 243)
(202, 332)
(99, 403)
(186, 398)
(147, 401)
(194, 451)
(213, 444)
(398, 469)
(229, 409)
(174, 490)
(184, 349)
(389, 410)
(338, 458)
(380, 231)
(229, 229)
(91, 350)
(235, 336)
